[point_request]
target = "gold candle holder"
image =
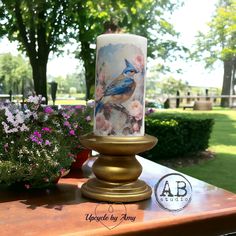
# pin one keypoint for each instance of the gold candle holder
(117, 169)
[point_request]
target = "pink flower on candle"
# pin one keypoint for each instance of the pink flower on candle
(103, 125)
(139, 62)
(136, 110)
(100, 121)
(99, 92)
(101, 77)
(136, 127)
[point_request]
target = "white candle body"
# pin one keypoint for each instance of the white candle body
(120, 85)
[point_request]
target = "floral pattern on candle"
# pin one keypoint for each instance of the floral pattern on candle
(119, 93)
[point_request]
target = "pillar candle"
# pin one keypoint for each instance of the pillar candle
(120, 85)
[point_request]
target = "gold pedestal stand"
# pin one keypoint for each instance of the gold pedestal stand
(116, 169)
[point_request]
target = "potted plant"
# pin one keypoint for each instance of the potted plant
(77, 122)
(38, 143)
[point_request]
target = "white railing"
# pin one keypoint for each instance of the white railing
(189, 100)
(13, 97)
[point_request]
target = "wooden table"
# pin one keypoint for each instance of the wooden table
(62, 211)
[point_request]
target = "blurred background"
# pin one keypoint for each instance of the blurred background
(191, 47)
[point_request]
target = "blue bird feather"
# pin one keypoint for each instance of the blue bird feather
(99, 107)
(120, 89)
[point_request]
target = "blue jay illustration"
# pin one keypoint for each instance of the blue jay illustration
(120, 89)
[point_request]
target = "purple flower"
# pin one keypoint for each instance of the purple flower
(33, 138)
(72, 132)
(67, 124)
(36, 137)
(46, 129)
(149, 111)
(66, 116)
(47, 143)
(78, 107)
(37, 134)
(48, 110)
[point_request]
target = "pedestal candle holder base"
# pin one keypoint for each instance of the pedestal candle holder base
(116, 169)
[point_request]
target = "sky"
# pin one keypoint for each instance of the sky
(187, 20)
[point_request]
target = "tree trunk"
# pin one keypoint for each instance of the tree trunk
(88, 57)
(39, 71)
(89, 80)
(233, 76)
(226, 89)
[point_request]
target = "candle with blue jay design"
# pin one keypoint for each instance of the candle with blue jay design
(120, 85)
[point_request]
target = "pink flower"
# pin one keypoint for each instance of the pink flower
(72, 132)
(101, 77)
(103, 125)
(27, 186)
(100, 121)
(47, 143)
(67, 124)
(136, 110)
(48, 110)
(46, 129)
(62, 171)
(139, 62)
(37, 134)
(66, 116)
(88, 118)
(78, 107)
(99, 92)
(136, 127)
(36, 137)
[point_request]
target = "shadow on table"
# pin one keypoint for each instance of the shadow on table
(54, 197)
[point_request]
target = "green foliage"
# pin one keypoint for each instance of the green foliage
(177, 135)
(40, 27)
(15, 73)
(170, 86)
(143, 17)
(219, 44)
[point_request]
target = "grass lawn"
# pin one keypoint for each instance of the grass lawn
(68, 102)
(220, 171)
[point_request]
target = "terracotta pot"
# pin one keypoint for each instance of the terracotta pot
(82, 156)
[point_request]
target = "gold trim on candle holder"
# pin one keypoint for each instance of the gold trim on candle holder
(117, 169)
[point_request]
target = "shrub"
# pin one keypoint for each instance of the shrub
(177, 135)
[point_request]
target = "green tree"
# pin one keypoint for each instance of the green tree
(143, 17)
(40, 27)
(219, 43)
(15, 73)
(170, 86)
